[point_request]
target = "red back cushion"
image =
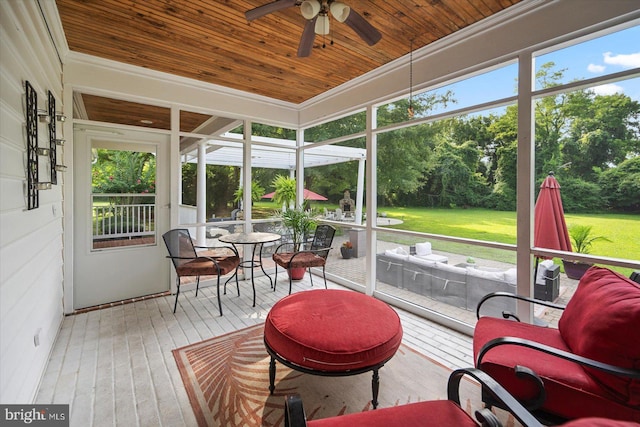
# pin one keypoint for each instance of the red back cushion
(602, 322)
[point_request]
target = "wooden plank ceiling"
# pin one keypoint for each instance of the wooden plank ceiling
(211, 40)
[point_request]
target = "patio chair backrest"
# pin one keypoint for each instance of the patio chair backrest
(179, 244)
(322, 239)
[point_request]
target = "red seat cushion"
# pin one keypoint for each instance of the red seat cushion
(433, 413)
(602, 322)
(333, 330)
(571, 391)
(205, 267)
(300, 260)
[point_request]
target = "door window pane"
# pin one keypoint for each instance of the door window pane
(123, 198)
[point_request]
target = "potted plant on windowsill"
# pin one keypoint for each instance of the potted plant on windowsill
(346, 250)
(300, 223)
(582, 240)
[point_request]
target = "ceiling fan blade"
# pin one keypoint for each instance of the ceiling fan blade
(308, 36)
(363, 28)
(268, 8)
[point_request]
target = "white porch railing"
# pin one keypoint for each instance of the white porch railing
(118, 216)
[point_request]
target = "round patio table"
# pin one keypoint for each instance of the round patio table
(257, 240)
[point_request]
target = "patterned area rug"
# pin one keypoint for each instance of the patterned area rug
(227, 380)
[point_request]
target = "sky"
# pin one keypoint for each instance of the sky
(605, 55)
(598, 57)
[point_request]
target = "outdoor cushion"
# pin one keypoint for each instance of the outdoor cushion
(482, 282)
(291, 328)
(543, 266)
(458, 273)
(571, 392)
(511, 275)
(434, 258)
(205, 267)
(486, 274)
(397, 253)
(602, 322)
(430, 413)
(301, 259)
(423, 248)
(421, 262)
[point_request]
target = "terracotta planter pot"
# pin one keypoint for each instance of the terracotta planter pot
(575, 269)
(296, 273)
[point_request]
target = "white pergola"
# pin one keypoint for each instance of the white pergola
(271, 153)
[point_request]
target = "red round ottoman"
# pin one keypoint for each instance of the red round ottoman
(333, 333)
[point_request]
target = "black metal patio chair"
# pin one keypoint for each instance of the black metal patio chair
(189, 264)
(315, 256)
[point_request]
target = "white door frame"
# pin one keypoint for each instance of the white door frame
(148, 258)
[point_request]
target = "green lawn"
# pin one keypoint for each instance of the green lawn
(623, 230)
(497, 226)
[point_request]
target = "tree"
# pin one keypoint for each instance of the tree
(221, 184)
(403, 155)
(621, 186)
(479, 129)
(503, 196)
(402, 162)
(124, 172)
(604, 130)
(453, 176)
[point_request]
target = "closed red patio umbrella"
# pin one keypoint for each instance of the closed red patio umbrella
(550, 228)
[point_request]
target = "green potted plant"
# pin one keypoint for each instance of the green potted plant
(300, 223)
(256, 193)
(582, 240)
(346, 250)
(285, 193)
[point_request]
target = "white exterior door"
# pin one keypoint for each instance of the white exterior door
(118, 248)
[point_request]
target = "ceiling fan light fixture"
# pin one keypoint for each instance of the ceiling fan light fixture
(322, 25)
(340, 11)
(310, 8)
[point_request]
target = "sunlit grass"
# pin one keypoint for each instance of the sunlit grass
(623, 230)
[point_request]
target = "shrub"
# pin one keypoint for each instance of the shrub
(580, 196)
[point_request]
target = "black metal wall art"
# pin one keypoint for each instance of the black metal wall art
(53, 161)
(33, 200)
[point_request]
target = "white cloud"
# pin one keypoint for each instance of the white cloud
(593, 68)
(608, 89)
(631, 60)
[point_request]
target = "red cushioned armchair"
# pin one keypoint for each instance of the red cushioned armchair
(430, 413)
(588, 367)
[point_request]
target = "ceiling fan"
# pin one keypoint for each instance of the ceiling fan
(317, 12)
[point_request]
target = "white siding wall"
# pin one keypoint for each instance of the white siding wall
(30, 241)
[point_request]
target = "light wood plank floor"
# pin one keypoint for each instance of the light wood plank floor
(115, 367)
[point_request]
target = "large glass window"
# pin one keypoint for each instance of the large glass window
(590, 141)
(483, 87)
(349, 125)
(602, 56)
(123, 198)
